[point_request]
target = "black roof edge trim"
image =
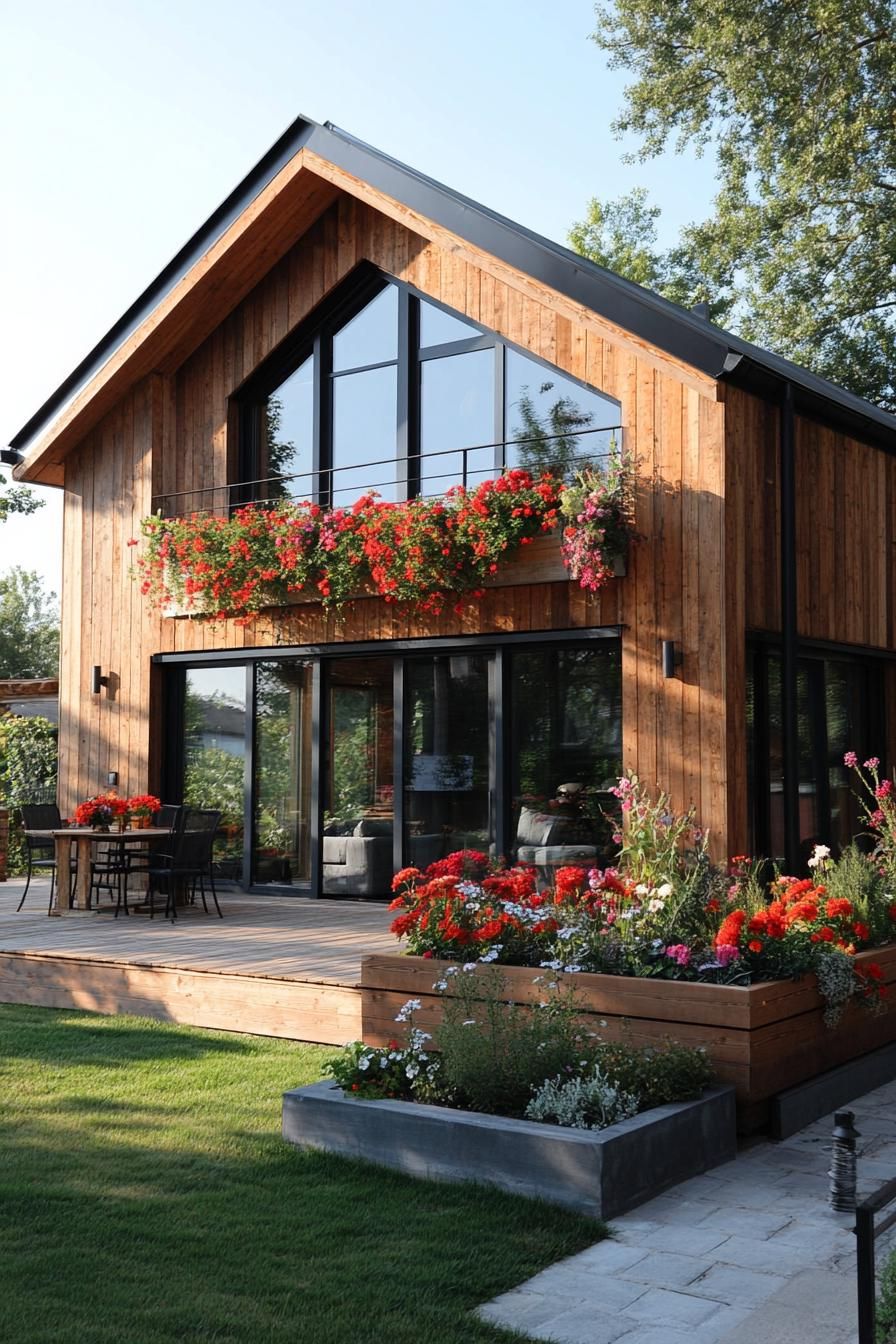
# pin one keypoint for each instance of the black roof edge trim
(677, 331)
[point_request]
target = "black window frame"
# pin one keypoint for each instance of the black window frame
(314, 336)
(812, 660)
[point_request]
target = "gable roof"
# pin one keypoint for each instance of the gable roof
(679, 332)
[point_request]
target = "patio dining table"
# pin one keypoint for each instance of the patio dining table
(83, 838)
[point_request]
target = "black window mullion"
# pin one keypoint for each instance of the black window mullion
(398, 701)
(405, 436)
(499, 752)
(500, 426)
(319, 729)
(249, 779)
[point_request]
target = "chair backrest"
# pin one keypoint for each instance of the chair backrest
(195, 837)
(40, 816)
(168, 815)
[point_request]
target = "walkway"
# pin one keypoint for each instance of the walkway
(748, 1254)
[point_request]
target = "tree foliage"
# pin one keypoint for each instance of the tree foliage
(17, 499)
(796, 101)
(29, 626)
(28, 757)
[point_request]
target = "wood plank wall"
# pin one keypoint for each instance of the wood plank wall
(171, 434)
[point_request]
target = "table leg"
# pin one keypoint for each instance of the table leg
(63, 872)
(82, 889)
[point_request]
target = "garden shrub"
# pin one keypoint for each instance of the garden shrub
(28, 761)
(886, 1303)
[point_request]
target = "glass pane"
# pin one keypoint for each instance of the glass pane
(566, 754)
(365, 417)
(438, 327)
(446, 758)
(457, 410)
(808, 815)
(358, 816)
(554, 424)
(852, 693)
(371, 337)
(214, 754)
(288, 428)
(282, 805)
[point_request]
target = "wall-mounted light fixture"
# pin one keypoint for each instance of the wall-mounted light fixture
(112, 779)
(672, 657)
(98, 679)
(10, 457)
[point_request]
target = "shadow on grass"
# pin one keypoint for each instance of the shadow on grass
(96, 1040)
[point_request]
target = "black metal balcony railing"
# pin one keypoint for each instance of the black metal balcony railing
(426, 474)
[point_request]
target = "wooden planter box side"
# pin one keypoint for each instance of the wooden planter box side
(763, 1038)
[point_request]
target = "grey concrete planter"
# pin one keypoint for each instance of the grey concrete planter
(602, 1173)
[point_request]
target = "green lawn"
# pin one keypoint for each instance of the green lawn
(146, 1196)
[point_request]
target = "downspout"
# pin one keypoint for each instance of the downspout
(789, 691)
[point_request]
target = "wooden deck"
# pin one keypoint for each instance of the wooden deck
(274, 966)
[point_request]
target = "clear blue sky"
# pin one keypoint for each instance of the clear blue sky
(125, 124)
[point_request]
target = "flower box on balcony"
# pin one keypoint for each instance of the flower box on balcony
(538, 562)
(764, 1038)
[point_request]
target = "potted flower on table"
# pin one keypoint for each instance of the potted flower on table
(142, 808)
(100, 811)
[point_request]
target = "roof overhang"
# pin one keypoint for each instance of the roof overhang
(291, 186)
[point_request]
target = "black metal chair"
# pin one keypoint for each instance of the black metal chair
(189, 863)
(40, 851)
(109, 870)
(139, 861)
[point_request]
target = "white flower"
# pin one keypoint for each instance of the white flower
(665, 890)
(411, 1071)
(470, 1022)
(641, 889)
(548, 966)
(364, 1063)
(404, 1013)
(572, 970)
(469, 966)
(822, 852)
(655, 906)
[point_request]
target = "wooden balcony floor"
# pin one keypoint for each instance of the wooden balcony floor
(276, 966)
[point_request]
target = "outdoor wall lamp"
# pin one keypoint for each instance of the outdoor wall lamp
(672, 657)
(98, 679)
(10, 458)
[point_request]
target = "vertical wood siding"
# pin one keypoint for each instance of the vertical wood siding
(171, 434)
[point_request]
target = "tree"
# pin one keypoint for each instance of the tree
(17, 499)
(796, 100)
(29, 626)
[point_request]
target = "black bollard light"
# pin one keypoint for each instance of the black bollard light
(842, 1196)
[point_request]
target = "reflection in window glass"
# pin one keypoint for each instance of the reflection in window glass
(567, 752)
(456, 412)
(365, 415)
(281, 851)
(288, 433)
(214, 755)
(439, 328)
(552, 423)
(446, 757)
(371, 337)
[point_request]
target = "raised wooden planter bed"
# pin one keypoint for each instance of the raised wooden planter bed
(762, 1039)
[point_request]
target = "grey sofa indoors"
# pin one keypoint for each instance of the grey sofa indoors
(546, 840)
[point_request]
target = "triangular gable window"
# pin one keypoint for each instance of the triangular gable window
(392, 392)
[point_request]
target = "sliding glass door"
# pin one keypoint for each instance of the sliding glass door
(332, 771)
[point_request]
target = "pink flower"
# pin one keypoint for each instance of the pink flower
(883, 789)
(851, 759)
(726, 953)
(680, 953)
(877, 818)
(872, 763)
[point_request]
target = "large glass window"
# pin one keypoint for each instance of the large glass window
(839, 709)
(566, 754)
(215, 754)
(446, 757)
(404, 396)
(499, 749)
(281, 851)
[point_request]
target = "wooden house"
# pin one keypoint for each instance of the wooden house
(343, 322)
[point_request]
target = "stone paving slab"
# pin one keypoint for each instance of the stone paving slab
(747, 1254)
